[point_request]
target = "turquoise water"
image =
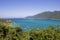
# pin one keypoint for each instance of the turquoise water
(27, 24)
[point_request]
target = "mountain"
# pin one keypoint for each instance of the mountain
(47, 15)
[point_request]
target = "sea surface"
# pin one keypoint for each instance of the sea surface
(28, 24)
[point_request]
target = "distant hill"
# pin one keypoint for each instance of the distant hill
(47, 15)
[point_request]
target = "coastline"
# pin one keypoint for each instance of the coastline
(43, 18)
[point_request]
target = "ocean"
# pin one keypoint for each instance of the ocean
(28, 24)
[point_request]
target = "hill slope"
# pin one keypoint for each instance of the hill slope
(47, 15)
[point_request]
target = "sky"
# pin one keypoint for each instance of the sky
(23, 8)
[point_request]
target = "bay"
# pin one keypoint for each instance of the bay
(28, 24)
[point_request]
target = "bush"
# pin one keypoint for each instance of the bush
(10, 33)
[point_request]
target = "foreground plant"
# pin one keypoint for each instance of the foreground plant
(9, 33)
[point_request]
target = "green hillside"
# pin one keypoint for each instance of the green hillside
(47, 15)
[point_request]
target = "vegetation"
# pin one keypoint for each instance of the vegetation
(9, 33)
(6, 22)
(55, 15)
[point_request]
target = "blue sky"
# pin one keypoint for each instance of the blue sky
(23, 8)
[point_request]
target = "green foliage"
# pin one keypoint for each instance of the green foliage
(45, 34)
(9, 33)
(6, 22)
